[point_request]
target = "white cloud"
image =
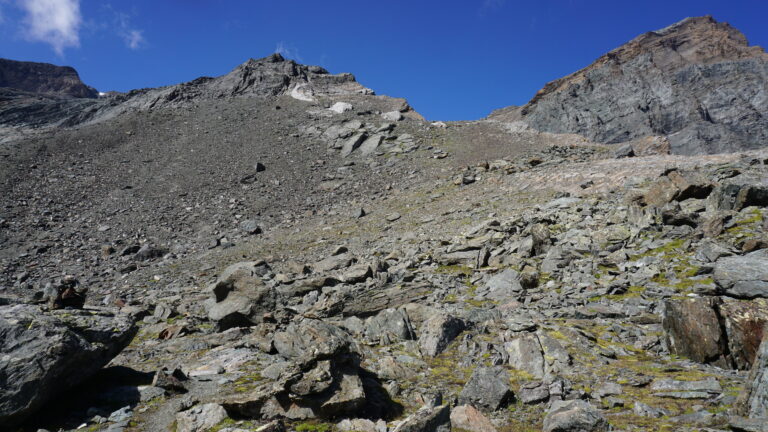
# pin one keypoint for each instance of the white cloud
(55, 22)
(288, 51)
(134, 38)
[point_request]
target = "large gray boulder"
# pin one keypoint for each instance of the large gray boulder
(503, 286)
(239, 296)
(427, 419)
(743, 276)
(46, 353)
(437, 332)
(574, 416)
(487, 389)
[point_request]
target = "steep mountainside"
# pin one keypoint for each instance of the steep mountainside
(280, 249)
(43, 78)
(697, 82)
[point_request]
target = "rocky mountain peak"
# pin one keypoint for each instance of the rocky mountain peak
(697, 83)
(43, 78)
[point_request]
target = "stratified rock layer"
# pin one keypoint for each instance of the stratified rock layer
(698, 82)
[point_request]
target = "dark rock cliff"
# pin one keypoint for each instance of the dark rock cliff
(697, 82)
(43, 78)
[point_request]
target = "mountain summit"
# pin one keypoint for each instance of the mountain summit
(43, 78)
(697, 83)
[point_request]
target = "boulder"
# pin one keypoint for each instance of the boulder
(533, 392)
(427, 419)
(743, 276)
(437, 332)
(239, 296)
(370, 145)
(487, 389)
(46, 353)
(310, 340)
(361, 425)
(352, 144)
(467, 418)
(389, 325)
(739, 193)
(692, 329)
(574, 416)
(525, 355)
(503, 286)
(200, 418)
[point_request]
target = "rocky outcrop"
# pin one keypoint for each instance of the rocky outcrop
(43, 78)
(46, 353)
(697, 82)
(753, 402)
(723, 332)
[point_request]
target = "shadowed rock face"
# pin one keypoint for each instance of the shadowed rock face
(43, 78)
(698, 82)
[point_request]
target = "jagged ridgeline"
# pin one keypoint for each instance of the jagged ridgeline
(281, 249)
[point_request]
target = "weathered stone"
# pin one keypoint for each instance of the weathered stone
(753, 402)
(487, 389)
(240, 297)
(352, 144)
(437, 332)
(503, 286)
(744, 323)
(389, 325)
(466, 417)
(743, 276)
(309, 340)
(427, 419)
(574, 416)
(361, 425)
(44, 354)
(525, 354)
(693, 330)
(200, 418)
(533, 392)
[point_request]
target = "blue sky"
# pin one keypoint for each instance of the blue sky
(453, 60)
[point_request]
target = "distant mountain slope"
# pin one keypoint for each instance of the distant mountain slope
(698, 82)
(43, 78)
(28, 106)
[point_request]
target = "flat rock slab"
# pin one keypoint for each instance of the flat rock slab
(743, 276)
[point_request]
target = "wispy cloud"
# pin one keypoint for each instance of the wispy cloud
(288, 51)
(55, 22)
(490, 6)
(134, 39)
(132, 36)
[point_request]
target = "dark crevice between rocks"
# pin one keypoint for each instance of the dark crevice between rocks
(724, 342)
(108, 390)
